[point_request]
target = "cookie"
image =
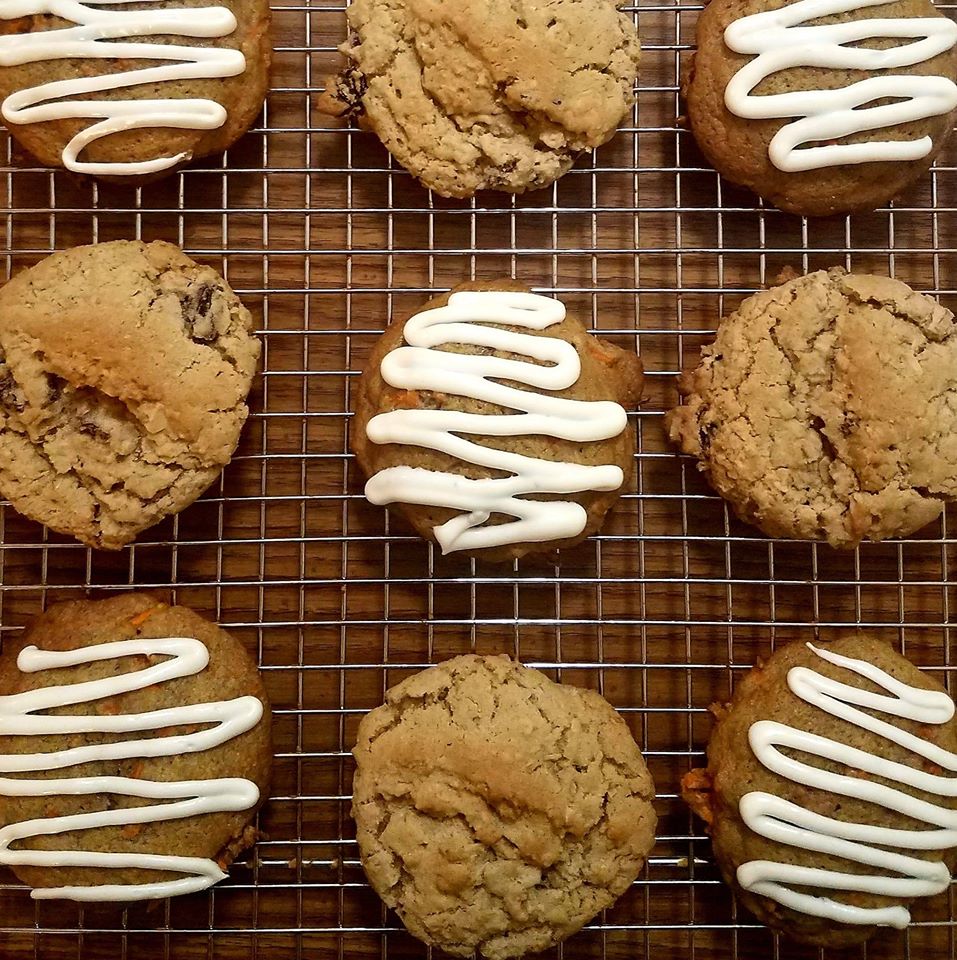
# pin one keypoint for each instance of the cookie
(488, 94)
(823, 106)
(493, 421)
(497, 811)
(135, 90)
(124, 371)
(825, 409)
(135, 751)
(829, 791)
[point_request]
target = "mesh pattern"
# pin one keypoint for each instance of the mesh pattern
(326, 240)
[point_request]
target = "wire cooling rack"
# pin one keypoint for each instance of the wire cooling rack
(326, 240)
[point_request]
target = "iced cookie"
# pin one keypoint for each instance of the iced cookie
(497, 811)
(131, 90)
(491, 94)
(135, 751)
(124, 372)
(825, 409)
(495, 423)
(831, 790)
(823, 106)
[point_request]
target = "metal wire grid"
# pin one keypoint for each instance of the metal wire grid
(328, 240)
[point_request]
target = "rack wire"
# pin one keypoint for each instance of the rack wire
(326, 240)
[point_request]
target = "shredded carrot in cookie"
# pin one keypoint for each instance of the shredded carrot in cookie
(131, 830)
(696, 787)
(21, 25)
(141, 618)
(599, 352)
(407, 399)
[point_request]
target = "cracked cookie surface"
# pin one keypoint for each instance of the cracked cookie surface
(825, 409)
(124, 372)
(498, 811)
(492, 94)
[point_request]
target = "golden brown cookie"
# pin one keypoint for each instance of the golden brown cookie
(799, 824)
(79, 691)
(824, 409)
(737, 143)
(124, 371)
(498, 811)
(483, 446)
(196, 107)
(488, 94)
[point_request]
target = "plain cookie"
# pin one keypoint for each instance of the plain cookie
(124, 372)
(825, 409)
(498, 811)
(488, 94)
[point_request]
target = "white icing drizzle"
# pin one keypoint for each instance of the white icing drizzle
(781, 41)
(418, 366)
(94, 37)
(787, 823)
(189, 798)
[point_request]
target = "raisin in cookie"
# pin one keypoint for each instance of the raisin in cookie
(825, 409)
(497, 469)
(821, 108)
(498, 811)
(124, 371)
(116, 111)
(131, 730)
(488, 94)
(829, 777)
